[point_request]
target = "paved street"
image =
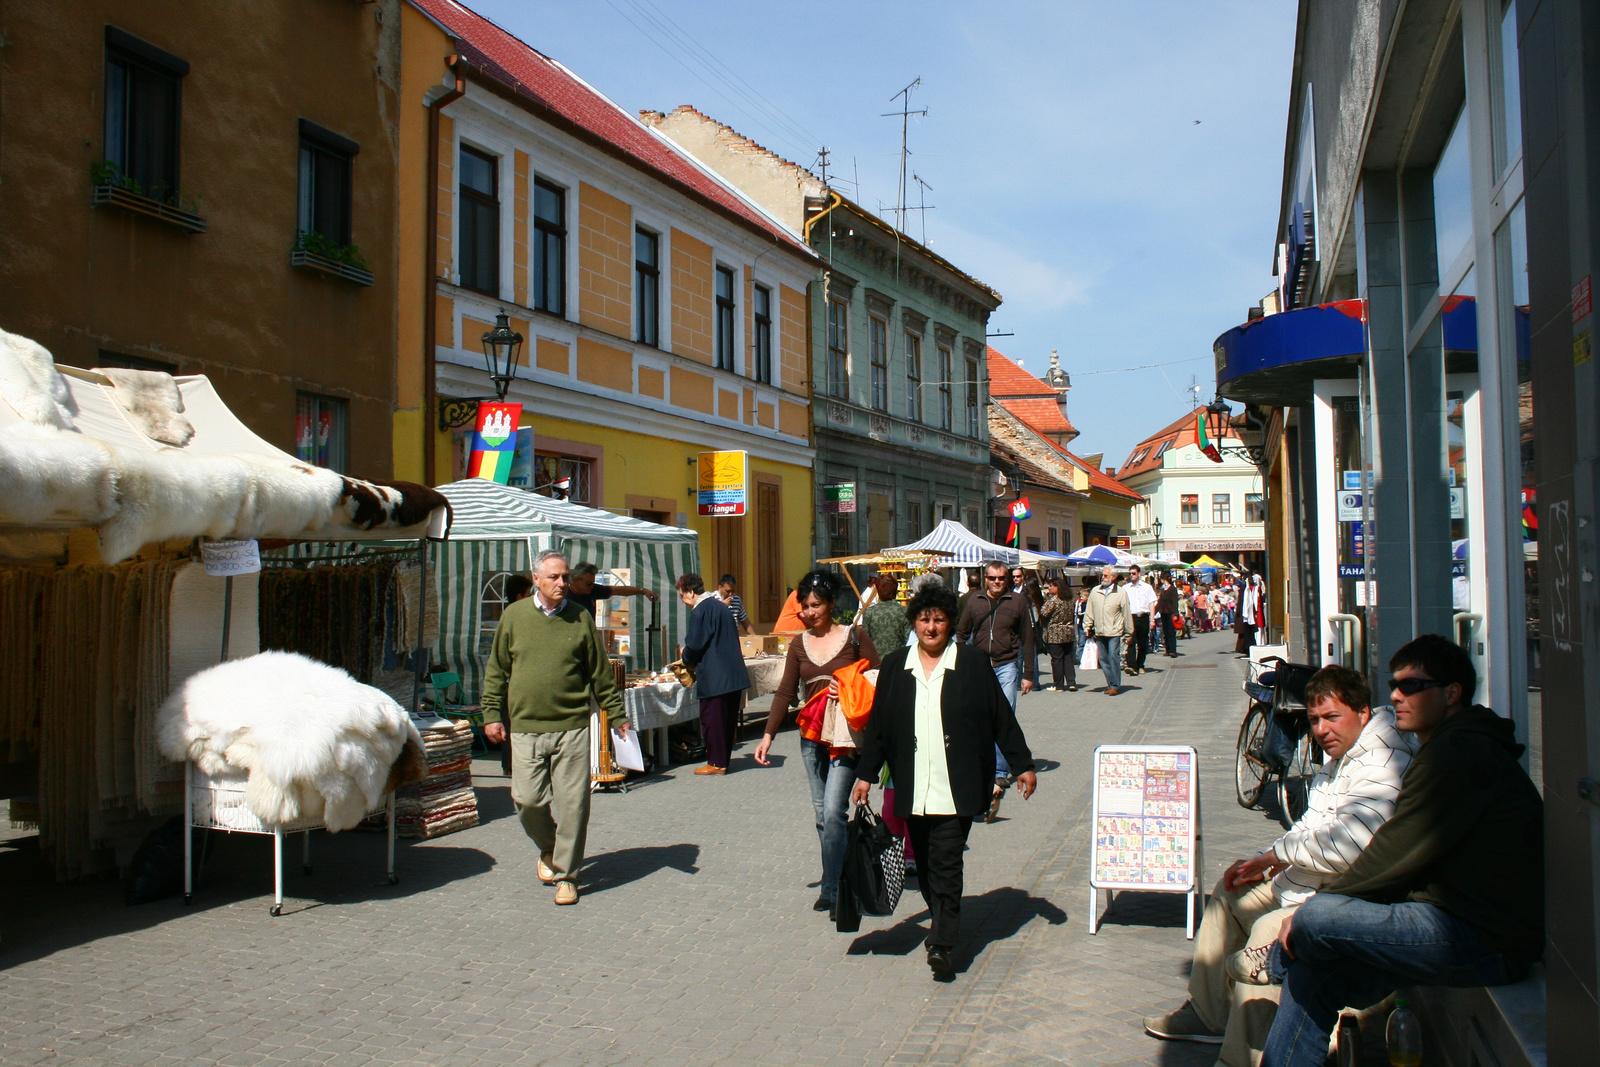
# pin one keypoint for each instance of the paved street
(694, 943)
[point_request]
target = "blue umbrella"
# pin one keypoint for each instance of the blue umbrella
(1101, 555)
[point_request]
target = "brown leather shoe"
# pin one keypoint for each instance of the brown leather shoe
(708, 769)
(1111, 691)
(566, 893)
(546, 875)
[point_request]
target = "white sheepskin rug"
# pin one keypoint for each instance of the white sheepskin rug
(312, 741)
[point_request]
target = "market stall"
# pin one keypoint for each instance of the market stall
(497, 530)
(107, 482)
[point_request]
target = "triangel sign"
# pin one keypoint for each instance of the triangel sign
(494, 441)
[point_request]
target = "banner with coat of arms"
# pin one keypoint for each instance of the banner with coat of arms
(494, 441)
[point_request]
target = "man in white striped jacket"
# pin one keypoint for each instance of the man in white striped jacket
(1352, 794)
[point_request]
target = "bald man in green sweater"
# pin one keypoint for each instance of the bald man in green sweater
(546, 665)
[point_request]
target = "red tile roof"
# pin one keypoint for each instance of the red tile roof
(1147, 454)
(559, 96)
(1099, 479)
(1026, 397)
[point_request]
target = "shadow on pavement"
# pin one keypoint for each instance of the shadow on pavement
(1130, 907)
(612, 869)
(43, 916)
(997, 916)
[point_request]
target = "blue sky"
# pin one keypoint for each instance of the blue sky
(1061, 145)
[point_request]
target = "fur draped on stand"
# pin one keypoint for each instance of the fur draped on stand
(310, 740)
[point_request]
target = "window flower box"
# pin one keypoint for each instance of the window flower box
(107, 192)
(305, 260)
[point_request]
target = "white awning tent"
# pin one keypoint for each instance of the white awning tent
(498, 529)
(967, 549)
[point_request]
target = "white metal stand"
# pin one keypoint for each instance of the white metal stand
(218, 804)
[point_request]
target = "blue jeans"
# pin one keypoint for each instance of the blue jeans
(1352, 953)
(830, 781)
(1111, 660)
(1009, 675)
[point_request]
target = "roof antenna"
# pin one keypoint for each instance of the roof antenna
(905, 113)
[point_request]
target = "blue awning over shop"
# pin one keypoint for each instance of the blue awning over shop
(1274, 360)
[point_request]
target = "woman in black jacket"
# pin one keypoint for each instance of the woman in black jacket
(937, 716)
(712, 646)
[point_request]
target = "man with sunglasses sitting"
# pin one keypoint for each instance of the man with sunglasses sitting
(1450, 891)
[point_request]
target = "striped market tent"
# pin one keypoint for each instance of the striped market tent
(967, 549)
(496, 529)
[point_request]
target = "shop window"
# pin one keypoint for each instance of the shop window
(1508, 140)
(1452, 196)
(839, 535)
(1189, 508)
(838, 348)
(913, 377)
(724, 319)
(1254, 509)
(878, 347)
(321, 426)
(1221, 508)
(143, 91)
(647, 287)
(550, 470)
(479, 224)
(914, 529)
(549, 248)
(325, 168)
(492, 604)
(761, 298)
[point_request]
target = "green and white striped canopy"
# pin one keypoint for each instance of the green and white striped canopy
(497, 529)
(483, 508)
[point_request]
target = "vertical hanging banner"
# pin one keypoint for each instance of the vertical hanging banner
(1019, 510)
(724, 483)
(494, 442)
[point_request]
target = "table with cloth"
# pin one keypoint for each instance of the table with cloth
(652, 708)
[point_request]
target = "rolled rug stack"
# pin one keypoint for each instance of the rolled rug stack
(443, 802)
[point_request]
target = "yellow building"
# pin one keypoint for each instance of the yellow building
(663, 314)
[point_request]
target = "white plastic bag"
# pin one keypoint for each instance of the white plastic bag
(1090, 660)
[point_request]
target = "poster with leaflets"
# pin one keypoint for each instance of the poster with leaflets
(494, 442)
(1145, 811)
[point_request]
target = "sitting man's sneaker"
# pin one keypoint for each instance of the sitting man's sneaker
(546, 875)
(939, 960)
(566, 893)
(1182, 1025)
(1249, 965)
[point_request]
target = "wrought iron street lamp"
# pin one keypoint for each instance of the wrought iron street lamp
(502, 351)
(1218, 418)
(1155, 526)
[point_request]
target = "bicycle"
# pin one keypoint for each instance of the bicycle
(1275, 745)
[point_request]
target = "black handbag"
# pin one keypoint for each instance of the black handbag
(874, 872)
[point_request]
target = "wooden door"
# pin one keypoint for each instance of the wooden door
(770, 589)
(728, 537)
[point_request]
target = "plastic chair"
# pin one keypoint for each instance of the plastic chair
(447, 704)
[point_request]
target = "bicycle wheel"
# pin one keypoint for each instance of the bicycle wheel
(1294, 784)
(1249, 773)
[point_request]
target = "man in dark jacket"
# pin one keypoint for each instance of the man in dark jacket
(1167, 605)
(1450, 891)
(711, 645)
(998, 620)
(937, 716)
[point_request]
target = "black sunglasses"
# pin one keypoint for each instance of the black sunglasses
(1412, 686)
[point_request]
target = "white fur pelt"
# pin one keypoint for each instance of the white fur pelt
(30, 383)
(170, 494)
(313, 741)
(49, 476)
(153, 402)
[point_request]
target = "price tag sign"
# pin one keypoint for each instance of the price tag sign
(224, 559)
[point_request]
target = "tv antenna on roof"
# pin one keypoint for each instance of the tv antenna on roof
(904, 114)
(923, 206)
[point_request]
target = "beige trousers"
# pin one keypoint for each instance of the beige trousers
(1234, 919)
(550, 778)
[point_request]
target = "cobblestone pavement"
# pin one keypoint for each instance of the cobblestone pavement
(694, 942)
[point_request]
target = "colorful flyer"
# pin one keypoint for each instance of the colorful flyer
(1144, 818)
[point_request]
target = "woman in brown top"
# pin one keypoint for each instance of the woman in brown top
(822, 648)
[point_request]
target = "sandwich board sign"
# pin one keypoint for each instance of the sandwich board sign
(1146, 825)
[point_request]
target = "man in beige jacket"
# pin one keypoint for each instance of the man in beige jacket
(1106, 618)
